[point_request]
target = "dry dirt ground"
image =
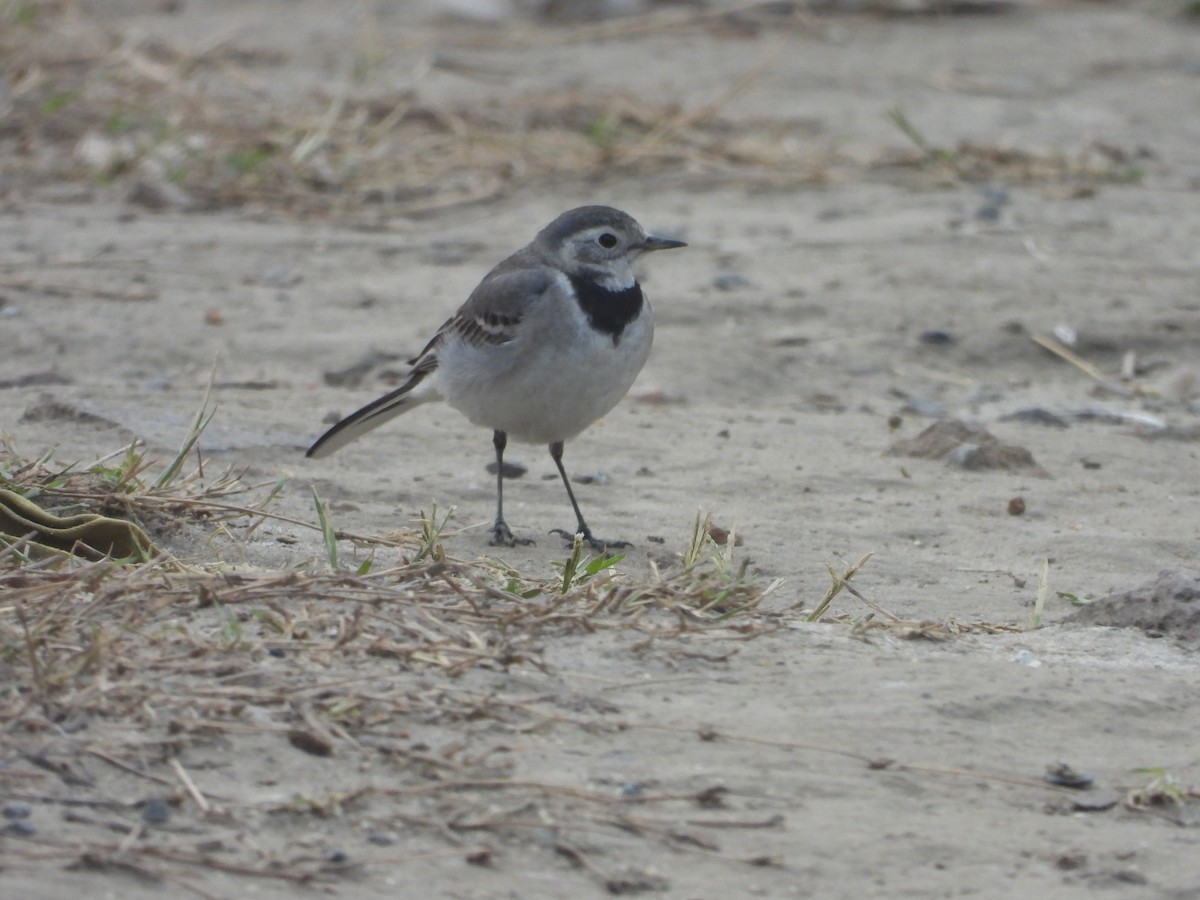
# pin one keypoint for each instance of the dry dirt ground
(883, 213)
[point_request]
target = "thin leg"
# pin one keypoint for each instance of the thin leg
(581, 527)
(501, 535)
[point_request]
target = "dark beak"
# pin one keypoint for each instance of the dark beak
(656, 243)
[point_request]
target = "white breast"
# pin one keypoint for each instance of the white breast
(553, 380)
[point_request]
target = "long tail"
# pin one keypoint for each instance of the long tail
(401, 400)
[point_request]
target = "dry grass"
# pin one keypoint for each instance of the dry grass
(197, 128)
(124, 679)
(140, 669)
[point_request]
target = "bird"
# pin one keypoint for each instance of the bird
(550, 341)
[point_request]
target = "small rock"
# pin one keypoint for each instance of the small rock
(1036, 415)
(731, 281)
(20, 828)
(600, 478)
(17, 811)
(924, 407)
(156, 811)
(281, 278)
(1065, 775)
(1070, 859)
(995, 198)
(937, 338)
(511, 469)
(967, 447)
(1096, 801)
(1016, 506)
(1066, 335)
(1025, 658)
(720, 536)
(1169, 605)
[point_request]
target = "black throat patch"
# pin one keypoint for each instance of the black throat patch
(608, 311)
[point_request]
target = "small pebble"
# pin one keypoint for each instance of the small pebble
(337, 857)
(278, 652)
(20, 828)
(731, 281)
(1025, 658)
(995, 197)
(17, 811)
(600, 478)
(937, 338)
(1016, 506)
(1096, 801)
(1066, 335)
(511, 469)
(1065, 775)
(632, 789)
(1036, 415)
(923, 406)
(156, 811)
(281, 278)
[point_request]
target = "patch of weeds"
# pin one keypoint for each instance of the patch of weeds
(119, 123)
(24, 14)
(838, 583)
(245, 160)
(1162, 790)
(603, 130)
(1043, 591)
(429, 539)
(231, 629)
(200, 422)
(329, 537)
(1073, 599)
(709, 585)
(58, 101)
(933, 153)
(577, 570)
(123, 478)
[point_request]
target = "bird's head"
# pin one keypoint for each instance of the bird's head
(600, 242)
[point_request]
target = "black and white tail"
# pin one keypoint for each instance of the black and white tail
(408, 396)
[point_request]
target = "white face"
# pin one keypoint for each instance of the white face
(607, 251)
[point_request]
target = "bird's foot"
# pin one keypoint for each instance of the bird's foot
(502, 536)
(599, 544)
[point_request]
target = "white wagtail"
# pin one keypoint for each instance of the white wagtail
(549, 342)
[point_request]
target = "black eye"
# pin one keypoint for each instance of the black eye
(607, 241)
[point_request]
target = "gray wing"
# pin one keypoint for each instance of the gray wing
(495, 309)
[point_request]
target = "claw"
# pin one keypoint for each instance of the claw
(599, 544)
(502, 536)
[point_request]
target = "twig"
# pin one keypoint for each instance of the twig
(189, 785)
(1048, 343)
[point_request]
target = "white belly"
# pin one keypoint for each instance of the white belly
(550, 383)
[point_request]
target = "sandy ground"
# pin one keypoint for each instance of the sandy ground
(802, 333)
